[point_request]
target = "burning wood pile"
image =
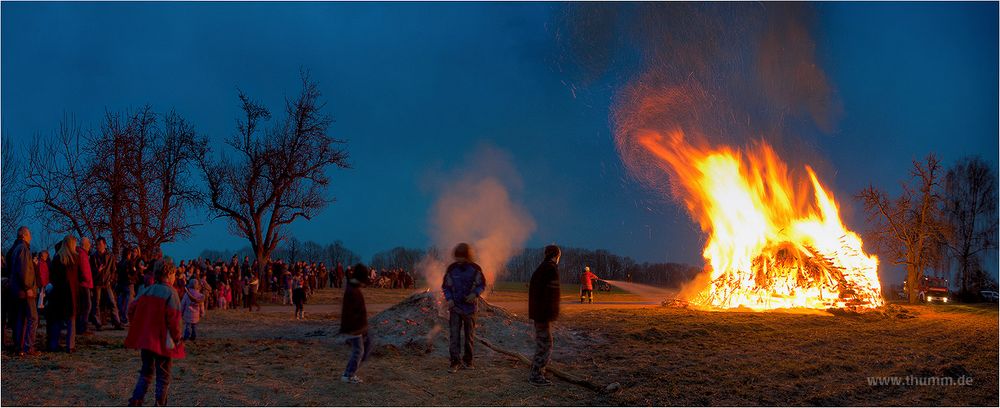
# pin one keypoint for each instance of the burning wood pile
(775, 238)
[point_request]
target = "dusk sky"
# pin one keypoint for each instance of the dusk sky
(417, 88)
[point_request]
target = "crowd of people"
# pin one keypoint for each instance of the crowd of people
(81, 287)
(162, 303)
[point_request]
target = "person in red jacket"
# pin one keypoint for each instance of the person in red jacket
(587, 279)
(155, 329)
(86, 287)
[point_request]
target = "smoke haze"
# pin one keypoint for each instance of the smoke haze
(475, 206)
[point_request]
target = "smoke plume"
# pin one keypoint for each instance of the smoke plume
(475, 206)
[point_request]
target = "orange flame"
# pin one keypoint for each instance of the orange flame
(770, 245)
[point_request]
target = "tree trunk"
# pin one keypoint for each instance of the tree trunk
(913, 277)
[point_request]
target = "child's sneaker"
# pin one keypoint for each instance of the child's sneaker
(352, 379)
(454, 368)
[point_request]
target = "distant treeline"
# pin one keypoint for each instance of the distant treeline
(602, 262)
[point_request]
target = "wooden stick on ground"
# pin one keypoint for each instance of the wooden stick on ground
(555, 371)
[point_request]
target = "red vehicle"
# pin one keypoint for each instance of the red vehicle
(931, 289)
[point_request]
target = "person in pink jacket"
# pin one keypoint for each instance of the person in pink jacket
(86, 287)
(192, 307)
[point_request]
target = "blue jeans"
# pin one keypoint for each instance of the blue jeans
(125, 295)
(25, 324)
(161, 365)
(104, 294)
(361, 346)
(190, 331)
(55, 329)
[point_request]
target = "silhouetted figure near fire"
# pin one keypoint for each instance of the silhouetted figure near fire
(543, 308)
(463, 283)
(354, 322)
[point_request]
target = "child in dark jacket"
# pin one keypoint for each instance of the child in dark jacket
(354, 323)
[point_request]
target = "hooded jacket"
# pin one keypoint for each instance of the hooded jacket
(191, 305)
(154, 315)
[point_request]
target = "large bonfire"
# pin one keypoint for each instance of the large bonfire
(774, 241)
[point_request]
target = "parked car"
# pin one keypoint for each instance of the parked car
(932, 289)
(989, 295)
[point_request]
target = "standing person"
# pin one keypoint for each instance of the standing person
(354, 323)
(237, 290)
(252, 286)
(463, 283)
(102, 266)
(24, 289)
(60, 314)
(299, 296)
(338, 276)
(86, 287)
(192, 307)
(127, 278)
(543, 308)
(587, 279)
(156, 331)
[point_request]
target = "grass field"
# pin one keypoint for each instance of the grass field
(659, 355)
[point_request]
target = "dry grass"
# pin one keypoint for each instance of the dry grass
(661, 356)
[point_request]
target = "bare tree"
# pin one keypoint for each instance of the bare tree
(970, 205)
(337, 253)
(160, 185)
(131, 179)
(908, 228)
(279, 175)
(11, 190)
(58, 183)
(312, 252)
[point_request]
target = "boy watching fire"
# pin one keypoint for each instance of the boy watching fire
(463, 283)
(354, 323)
(543, 308)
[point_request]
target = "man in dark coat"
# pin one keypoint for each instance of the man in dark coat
(24, 288)
(463, 283)
(354, 323)
(543, 309)
(102, 265)
(128, 276)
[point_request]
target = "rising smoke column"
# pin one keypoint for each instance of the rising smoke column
(474, 205)
(721, 73)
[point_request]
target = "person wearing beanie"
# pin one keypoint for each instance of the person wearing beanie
(354, 322)
(543, 309)
(463, 283)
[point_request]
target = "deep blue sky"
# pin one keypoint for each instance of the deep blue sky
(417, 87)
